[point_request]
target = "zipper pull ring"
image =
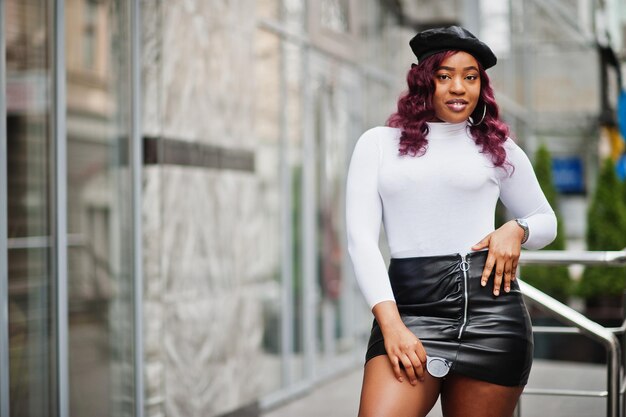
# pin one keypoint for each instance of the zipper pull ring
(464, 265)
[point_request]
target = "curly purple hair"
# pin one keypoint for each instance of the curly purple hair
(415, 109)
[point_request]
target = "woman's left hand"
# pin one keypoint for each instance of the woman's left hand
(504, 245)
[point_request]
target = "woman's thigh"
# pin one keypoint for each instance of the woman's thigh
(468, 397)
(383, 395)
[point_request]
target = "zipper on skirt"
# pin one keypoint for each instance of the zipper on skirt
(464, 265)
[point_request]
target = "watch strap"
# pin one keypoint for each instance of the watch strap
(522, 223)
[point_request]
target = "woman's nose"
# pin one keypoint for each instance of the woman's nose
(457, 86)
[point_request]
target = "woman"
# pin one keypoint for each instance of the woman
(449, 316)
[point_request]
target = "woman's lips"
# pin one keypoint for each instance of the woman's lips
(457, 105)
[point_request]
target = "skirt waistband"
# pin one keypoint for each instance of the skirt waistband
(450, 257)
(426, 277)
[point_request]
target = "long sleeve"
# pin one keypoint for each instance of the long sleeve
(363, 219)
(522, 195)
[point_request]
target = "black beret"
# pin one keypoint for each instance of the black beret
(431, 41)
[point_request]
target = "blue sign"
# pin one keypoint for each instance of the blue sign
(568, 175)
(620, 167)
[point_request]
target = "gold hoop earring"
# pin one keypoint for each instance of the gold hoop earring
(482, 118)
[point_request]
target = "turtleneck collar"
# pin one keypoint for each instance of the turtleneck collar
(447, 129)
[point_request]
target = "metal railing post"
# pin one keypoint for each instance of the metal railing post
(613, 378)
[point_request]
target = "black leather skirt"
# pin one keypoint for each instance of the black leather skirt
(441, 301)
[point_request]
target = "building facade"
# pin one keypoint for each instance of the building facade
(174, 217)
(171, 189)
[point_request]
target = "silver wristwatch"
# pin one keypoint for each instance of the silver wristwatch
(524, 225)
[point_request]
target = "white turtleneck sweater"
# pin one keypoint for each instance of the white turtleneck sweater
(440, 203)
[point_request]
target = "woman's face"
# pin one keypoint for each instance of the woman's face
(457, 88)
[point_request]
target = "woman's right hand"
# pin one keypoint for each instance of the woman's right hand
(403, 347)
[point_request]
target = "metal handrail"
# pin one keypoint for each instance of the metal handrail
(566, 392)
(579, 323)
(564, 257)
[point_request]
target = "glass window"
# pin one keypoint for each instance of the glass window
(334, 15)
(267, 129)
(31, 310)
(100, 280)
(268, 9)
(333, 27)
(332, 129)
(90, 26)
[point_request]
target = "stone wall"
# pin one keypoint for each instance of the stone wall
(207, 251)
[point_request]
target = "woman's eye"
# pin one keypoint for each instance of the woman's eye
(472, 77)
(443, 76)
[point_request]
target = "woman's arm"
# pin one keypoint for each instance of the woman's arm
(522, 195)
(364, 212)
